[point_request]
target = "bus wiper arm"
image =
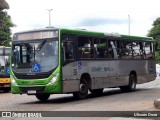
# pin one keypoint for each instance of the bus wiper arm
(40, 46)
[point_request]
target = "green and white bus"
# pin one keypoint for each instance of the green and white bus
(57, 61)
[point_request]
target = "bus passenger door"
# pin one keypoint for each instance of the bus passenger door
(68, 59)
(69, 71)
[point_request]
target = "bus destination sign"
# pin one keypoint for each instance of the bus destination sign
(36, 35)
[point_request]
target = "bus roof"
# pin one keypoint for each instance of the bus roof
(102, 34)
(92, 33)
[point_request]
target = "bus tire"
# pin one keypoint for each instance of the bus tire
(6, 90)
(83, 90)
(132, 84)
(42, 97)
(97, 91)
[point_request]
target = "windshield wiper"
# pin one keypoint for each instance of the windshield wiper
(40, 46)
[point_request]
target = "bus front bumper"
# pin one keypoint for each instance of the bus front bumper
(32, 90)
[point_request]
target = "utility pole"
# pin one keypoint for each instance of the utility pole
(49, 10)
(128, 24)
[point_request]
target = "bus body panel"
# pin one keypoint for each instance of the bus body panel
(107, 73)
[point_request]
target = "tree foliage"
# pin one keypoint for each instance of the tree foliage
(5, 24)
(155, 33)
(3, 5)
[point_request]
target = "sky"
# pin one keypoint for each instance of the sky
(94, 15)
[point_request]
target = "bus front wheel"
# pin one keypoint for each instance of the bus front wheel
(83, 90)
(42, 97)
(97, 91)
(132, 84)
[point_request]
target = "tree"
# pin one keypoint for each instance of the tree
(3, 5)
(155, 33)
(5, 24)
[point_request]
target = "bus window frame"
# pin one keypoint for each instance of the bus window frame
(63, 42)
(91, 38)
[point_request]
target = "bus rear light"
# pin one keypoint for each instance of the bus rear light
(53, 79)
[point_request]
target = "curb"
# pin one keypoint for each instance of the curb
(157, 103)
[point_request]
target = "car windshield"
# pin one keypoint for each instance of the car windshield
(35, 56)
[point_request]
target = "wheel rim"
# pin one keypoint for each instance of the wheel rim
(83, 88)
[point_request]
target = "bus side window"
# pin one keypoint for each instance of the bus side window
(100, 47)
(109, 50)
(114, 49)
(85, 49)
(126, 50)
(68, 47)
(69, 50)
(149, 50)
(16, 53)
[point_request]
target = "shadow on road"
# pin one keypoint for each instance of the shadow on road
(68, 99)
(2, 92)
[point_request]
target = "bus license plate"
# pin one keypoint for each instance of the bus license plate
(31, 92)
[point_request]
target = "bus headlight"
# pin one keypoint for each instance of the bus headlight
(53, 79)
(13, 80)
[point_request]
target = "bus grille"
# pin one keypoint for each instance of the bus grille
(32, 76)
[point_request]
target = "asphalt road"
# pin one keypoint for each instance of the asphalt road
(111, 100)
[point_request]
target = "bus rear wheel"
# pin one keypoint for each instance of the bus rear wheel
(42, 97)
(132, 84)
(83, 90)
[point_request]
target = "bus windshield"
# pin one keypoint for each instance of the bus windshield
(35, 56)
(4, 61)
